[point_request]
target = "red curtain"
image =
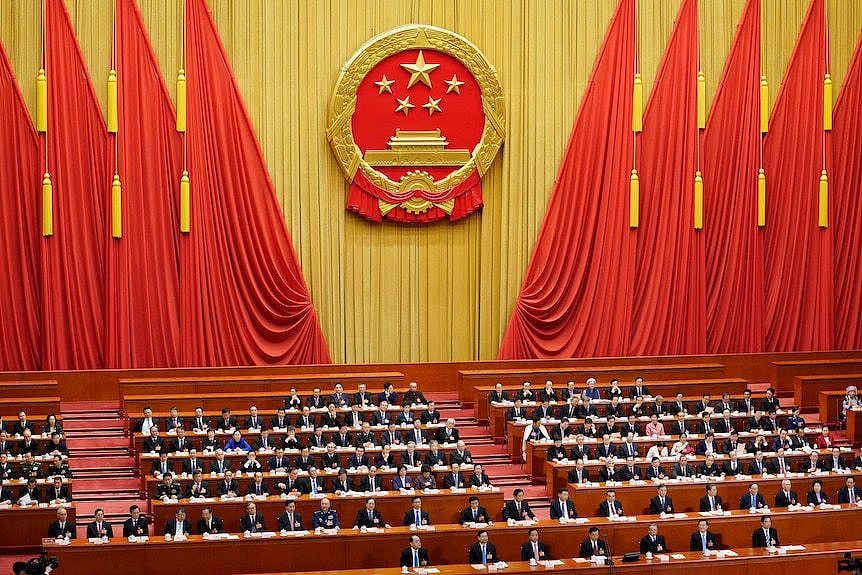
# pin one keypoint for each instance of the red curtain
(669, 310)
(798, 272)
(243, 299)
(846, 207)
(142, 323)
(576, 295)
(73, 259)
(19, 232)
(730, 157)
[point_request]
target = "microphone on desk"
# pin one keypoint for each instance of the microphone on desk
(610, 561)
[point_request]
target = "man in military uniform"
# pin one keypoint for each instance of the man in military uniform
(168, 489)
(30, 467)
(325, 517)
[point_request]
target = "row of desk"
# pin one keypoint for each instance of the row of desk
(443, 507)
(814, 558)
(446, 544)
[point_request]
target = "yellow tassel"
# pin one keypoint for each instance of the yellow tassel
(761, 198)
(764, 105)
(185, 190)
(827, 102)
(823, 204)
(181, 101)
(637, 105)
(116, 208)
(701, 100)
(47, 206)
(634, 199)
(698, 200)
(42, 101)
(113, 123)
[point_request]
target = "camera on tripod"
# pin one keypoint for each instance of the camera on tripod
(850, 564)
(41, 565)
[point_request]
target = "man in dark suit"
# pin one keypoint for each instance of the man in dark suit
(30, 490)
(474, 513)
(516, 412)
(498, 395)
(290, 520)
(579, 474)
(593, 545)
(655, 470)
(711, 501)
(533, 548)
(136, 524)
(62, 527)
(849, 493)
(416, 516)
(154, 442)
(610, 507)
(100, 527)
(682, 468)
(786, 496)
(661, 503)
(482, 551)
(638, 388)
(702, 539)
(179, 525)
(454, 478)
(518, 509)
(369, 516)
(252, 521)
(209, 523)
(562, 507)
(753, 499)
(414, 555)
(766, 535)
(652, 542)
(313, 483)
(732, 467)
(228, 485)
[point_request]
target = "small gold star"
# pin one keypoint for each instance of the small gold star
(454, 85)
(419, 71)
(433, 105)
(384, 84)
(404, 105)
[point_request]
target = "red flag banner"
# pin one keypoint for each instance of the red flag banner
(243, 296)
(20, 229)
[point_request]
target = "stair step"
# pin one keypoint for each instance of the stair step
(101, 462)
(97, 442)
(107, 452)
(103, 474)
(119, 483)
(91, 424)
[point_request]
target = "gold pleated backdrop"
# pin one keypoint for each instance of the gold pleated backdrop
(424, 293)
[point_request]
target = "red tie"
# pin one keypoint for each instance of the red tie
(595, 548)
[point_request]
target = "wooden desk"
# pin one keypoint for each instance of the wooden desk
(815, 558)
(686, 494)
(854, 426)
(444, 507)
(807, 387)
(557, 474)
(785, 370)
(691, 388)
(15, 389)
(446, 544)
(25, 527)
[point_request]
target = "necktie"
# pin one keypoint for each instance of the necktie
(661, 500)
(418, 519)
(565, 509)
(314, 486)
(703, 540)
(62, 527)
(370, 517)
(290, 521)
(475, 520)
(536, 551)
(518, 507)
(711, 504)
(613, 509)
(252, 522)
(766, 536)
(484, 555)
(852, 496)
(781, 465)
(415, 558)
(595, 548)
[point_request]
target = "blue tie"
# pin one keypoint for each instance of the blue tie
(703, 537)
(484, 555)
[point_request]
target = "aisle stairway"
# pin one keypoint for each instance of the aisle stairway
(102, 468)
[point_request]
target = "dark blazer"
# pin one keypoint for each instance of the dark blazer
(171, 526)
(657, 546)
(704, 502)
(223, 489)
(407, 557)
(510, 511)
(746, 503)
(449, 481)
(132, 527)
(573, 476)
(362, 519)
(696, 542)
(844, 494)
(247, 524)
(203, 491)
(68, 529)
(753, 468)
(106, 527)
(605, 511)
(812, 498)
(655, 506)
(557, 509)
(728, 471)
(678, 471)
(283, 522)
(154, 443)
(626, 474)
(527, 551)
(758, 538)
(474, 556)
(216, 524)
(781, 499)
(467, 516)
(410, 517)
(586, 550)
